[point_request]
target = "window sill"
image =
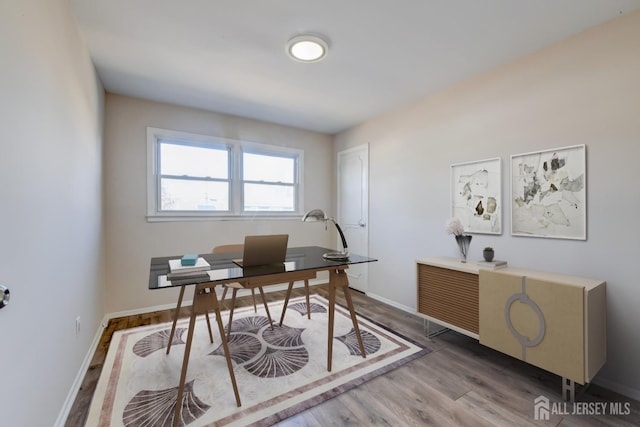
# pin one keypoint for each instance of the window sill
(246, 217)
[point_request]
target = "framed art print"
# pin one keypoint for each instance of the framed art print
(549, 194)
(476, 195)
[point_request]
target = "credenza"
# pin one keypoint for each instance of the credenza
(553, 321)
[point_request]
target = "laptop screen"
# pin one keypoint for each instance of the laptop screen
(263, 250)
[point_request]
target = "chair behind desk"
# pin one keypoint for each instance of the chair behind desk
(237, 285)
(240, 248)
(226, 249)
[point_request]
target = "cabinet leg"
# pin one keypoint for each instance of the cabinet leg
(427, 329)
(568, 390)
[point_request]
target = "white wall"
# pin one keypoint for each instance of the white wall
(51, 109)
(585, 90)
(131, 241)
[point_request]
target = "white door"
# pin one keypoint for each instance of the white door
(353, 208)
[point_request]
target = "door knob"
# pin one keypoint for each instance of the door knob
(362, 224)
(5, 296)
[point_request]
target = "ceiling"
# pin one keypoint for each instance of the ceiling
(229, 56)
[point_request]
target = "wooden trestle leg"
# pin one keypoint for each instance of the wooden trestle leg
(338, 279)
(202, 302)
(175, 321)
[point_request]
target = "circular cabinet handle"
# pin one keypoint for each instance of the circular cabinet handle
(5, 296)
(525, 341)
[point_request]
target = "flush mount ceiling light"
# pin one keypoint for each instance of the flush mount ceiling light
(307, 48)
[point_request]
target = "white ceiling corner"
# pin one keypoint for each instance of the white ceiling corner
(229, 56)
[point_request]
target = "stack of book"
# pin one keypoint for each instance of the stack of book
(188, 266)
(492, 265)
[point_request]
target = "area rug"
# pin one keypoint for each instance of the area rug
(280, 372)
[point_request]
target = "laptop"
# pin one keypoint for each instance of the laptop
(263, 250)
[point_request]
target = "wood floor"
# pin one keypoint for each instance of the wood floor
(460, 383)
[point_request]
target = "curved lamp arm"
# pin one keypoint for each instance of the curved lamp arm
(344, 241)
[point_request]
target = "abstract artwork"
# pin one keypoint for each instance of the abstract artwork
(548, 193)
(476, 195)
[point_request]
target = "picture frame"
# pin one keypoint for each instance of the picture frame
(548, 195)
(476, 195)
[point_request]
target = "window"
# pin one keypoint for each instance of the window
(194, 176)
(268, 182)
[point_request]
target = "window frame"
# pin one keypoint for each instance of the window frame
(259, 149)
(236, 149)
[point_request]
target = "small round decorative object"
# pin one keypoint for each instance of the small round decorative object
(488, 254)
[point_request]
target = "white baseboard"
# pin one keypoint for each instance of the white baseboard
(77, 382)
(392, 303)
(618, 388)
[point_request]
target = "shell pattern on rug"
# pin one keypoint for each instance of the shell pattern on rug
(253, 345)
(264, 352)
(156, 407)
(301, 308)
(370, 342)
(157, 341)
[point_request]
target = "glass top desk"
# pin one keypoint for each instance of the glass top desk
(301, 263)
